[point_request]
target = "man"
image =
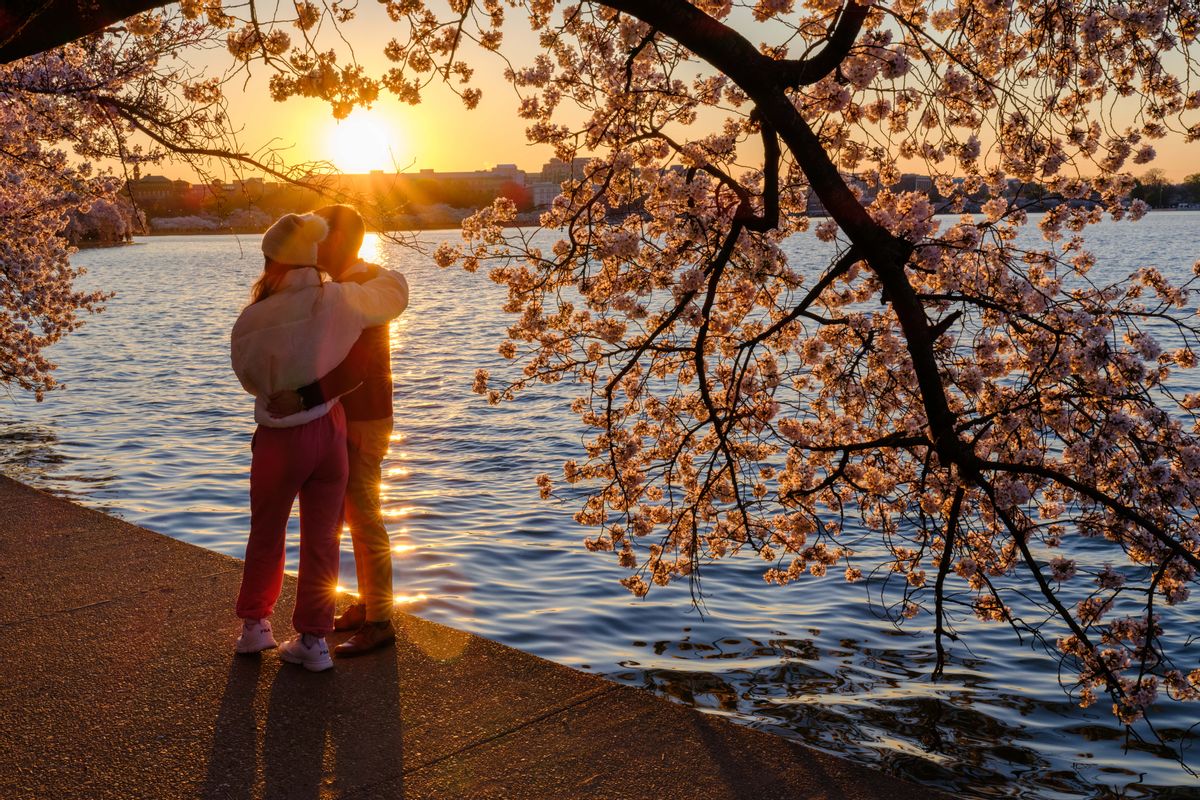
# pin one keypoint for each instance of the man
(364, 383)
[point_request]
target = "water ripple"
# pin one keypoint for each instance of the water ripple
(155, 428)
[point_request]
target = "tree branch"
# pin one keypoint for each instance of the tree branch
(33, 26)
(803, 72)
(948, 541)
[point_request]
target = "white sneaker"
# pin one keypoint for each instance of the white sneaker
(256, 636)
(308, 651)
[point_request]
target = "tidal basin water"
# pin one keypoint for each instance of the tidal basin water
(153, 427)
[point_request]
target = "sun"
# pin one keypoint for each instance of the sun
(362, 142)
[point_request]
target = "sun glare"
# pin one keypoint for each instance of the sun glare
(362, 142)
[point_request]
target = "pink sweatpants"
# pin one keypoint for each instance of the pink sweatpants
(309, 460)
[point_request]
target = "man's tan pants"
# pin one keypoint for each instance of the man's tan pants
(367, 442)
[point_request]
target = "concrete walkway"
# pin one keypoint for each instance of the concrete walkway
(119, 681)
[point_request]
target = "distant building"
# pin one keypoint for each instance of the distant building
(156, 189)
(544, 193)
(910, 182)
(547, 184)
(478, 180)
(556, 170)
(248, 188)
(508, 172)
(816, 208)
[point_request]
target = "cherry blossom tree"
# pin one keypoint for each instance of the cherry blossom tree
(64, 115)
(978, 405)
(105, 222)
(946, 409)
(74, 121)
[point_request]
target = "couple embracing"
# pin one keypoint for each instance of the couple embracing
(313, 348)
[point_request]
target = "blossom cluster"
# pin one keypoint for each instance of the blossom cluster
(742, 405)
(61, 112)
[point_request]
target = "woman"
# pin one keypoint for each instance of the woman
(296, 329)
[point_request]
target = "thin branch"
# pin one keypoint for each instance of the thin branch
(841, 37)
(939, 590)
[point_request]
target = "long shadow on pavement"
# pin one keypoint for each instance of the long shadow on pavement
(316, 733)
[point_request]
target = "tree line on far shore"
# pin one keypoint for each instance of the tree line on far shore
(1155, 190)
(108, 222)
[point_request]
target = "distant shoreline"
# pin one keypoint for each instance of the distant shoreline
(520, 223)
(99, 245)
(255, 232)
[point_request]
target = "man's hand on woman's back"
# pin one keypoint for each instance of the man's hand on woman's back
(284, 403)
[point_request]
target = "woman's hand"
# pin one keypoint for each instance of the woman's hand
(284, 403)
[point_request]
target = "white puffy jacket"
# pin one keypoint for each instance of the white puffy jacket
(304, 330)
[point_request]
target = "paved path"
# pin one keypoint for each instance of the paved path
(118, 680)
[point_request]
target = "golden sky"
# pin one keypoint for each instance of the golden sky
(440, 133)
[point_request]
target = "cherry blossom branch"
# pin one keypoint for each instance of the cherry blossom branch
(1120, 509)
(839, 268)
(841, 37)
(1112, 683)
(34, 26)
(133, 116)
(939, 590)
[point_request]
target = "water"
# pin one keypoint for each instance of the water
(154, 428)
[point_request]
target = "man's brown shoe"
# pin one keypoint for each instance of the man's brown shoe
(351, 619)
(371, 636)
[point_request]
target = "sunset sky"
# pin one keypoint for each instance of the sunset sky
(439, 133)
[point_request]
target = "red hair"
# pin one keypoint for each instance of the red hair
(272, 277)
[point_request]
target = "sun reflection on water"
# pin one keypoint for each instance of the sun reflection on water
(372, 249)
(400, 511)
